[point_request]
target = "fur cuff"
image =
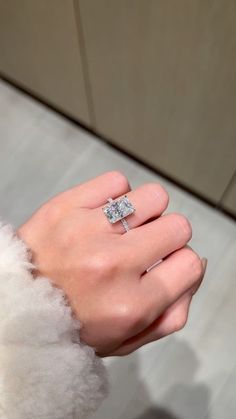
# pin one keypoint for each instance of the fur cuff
(45, 371)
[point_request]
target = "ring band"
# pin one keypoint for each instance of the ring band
(118, 209)
(125, 224)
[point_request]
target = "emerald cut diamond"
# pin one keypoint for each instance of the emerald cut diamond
(119, 209)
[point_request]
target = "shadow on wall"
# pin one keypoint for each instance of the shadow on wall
(184, 399)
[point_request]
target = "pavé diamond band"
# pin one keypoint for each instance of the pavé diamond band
(118, 209)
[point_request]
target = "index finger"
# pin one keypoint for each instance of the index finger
(96, 191)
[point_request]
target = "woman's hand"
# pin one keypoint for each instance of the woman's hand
(102, 269)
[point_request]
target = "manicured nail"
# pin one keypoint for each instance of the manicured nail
(204, 265)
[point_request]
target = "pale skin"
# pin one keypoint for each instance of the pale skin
(102, 269)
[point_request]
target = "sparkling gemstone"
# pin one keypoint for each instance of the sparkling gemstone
(118, 209)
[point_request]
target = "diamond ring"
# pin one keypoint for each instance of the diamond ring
(118, 209)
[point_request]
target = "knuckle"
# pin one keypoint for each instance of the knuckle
(119, 178)
(155, 189)
(183, 225)
(50, 212)
(103, 265)
(128, 318)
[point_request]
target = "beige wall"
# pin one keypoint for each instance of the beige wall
(229, 201)
(39, 48)
(164, 86)
(156, 77)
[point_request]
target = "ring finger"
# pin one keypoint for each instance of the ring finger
(149, 200)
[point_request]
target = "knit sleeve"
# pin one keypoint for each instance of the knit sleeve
(45, 371)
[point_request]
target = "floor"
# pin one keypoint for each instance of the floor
(189, 375)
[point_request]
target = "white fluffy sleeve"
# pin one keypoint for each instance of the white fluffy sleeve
(45, 372)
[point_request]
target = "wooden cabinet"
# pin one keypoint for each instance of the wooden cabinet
(40, 50)
(163, 83)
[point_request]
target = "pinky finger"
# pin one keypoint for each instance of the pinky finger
(171, 321)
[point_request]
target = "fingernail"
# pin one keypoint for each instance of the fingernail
(204, 265)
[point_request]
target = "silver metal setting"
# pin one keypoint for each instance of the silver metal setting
(118, 209)
(125, 224)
